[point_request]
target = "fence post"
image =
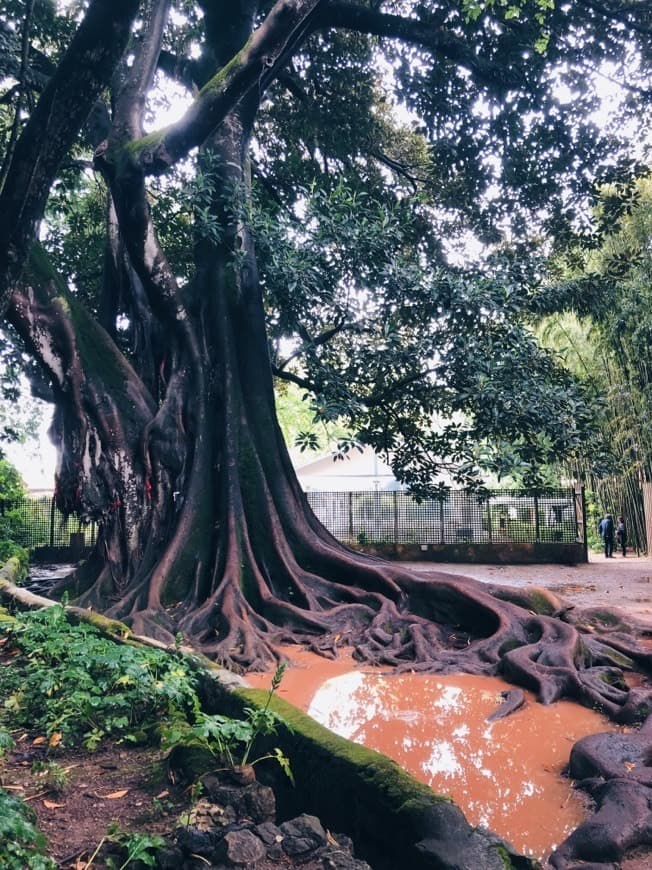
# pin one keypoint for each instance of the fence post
(350, 500)
(442, 537)
(537, 531)
(489, 520)
(52, 509)
(647, 511)
(580, 519)
(395, 500)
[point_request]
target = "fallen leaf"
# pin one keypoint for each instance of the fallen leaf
(55, 739)
(116, 794)
(51, 805)
(38, 740)
(163, 794)
(629, 766)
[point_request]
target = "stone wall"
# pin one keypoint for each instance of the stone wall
(491, 554)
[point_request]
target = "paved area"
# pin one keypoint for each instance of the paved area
(619, 582)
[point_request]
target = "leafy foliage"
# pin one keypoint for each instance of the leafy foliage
(604, 280)
(19, 413)
(356, 211)
(12, 486)
(74, 683)
(231, 740)
(22, 844)
(435, 366)
(12, 528)
(140, 848)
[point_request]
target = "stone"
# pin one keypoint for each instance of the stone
(207, 816)
(242, 848)
(337, 859)
(170, 857)
(254, 801)
(195, 841)
(303, 834)
(272, 837)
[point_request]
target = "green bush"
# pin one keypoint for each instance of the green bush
(76, 683)
(22, 845)
(11, 550)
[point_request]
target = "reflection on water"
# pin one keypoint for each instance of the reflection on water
(505, 775)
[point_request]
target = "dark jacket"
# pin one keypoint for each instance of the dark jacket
(606, 528)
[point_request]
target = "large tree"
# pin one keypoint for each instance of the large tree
(163, 377)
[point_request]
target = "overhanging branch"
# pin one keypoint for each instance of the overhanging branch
(254, 66)
(437, 40)
(84, 71)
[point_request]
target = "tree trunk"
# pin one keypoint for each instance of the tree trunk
(208, 533)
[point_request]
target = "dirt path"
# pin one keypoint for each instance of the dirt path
(619, 582)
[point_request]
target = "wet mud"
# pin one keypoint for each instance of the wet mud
(505, 774)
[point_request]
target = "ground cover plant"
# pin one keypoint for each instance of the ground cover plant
(22, 843)
(75, 685)
(65, 685)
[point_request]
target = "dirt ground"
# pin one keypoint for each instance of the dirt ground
(624, 583)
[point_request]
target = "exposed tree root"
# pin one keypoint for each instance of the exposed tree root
(615, 769)
(444, 624)
(449, 623)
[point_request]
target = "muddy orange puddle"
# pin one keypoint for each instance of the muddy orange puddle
(505, 775)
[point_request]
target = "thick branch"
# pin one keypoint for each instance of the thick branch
(69, 344)
(438, 40)
(130, 104)
(251, 67)
(22, 85)
(55, 123)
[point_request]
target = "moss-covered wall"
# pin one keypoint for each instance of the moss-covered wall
(395, 821)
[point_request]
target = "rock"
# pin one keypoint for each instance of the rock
(169, 858)
(622, 822)
(208, 816)
(253, 801)
(241, 848)
(272, 837)
(303, 834)
(194, 841)
(340, 860)
(613, 756)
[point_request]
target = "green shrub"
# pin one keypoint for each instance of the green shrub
(10, 550)
(21, 844)
(74, 682)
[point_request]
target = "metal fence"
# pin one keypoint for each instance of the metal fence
(37, 522)
(494, 516)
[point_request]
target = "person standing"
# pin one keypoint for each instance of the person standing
(606, 529)
(621, 534)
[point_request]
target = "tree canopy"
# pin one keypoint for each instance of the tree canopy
(312, 215)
